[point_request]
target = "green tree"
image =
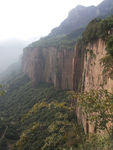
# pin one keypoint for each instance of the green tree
(109, 45)
(97, 105)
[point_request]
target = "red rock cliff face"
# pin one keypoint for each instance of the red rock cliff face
(93, 68)
(67, 69)
(63, 68)
(92, 75)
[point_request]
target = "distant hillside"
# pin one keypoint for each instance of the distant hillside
(80, 16)
(12, 71)
(106, 8)
(10, 51)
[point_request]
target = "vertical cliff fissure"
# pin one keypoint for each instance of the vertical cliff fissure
(78, 68)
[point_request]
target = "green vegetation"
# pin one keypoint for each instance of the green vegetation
(17, 103)
(41, 118)
(107, 63)
(51, 121)
(101, 29)
(109, 45)
(97, 107)
(44, 118)
(55, 125)
(60, 42)
(98, 29)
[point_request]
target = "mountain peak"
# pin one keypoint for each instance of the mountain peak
(80, 16)
(76, 9)
(80, 7)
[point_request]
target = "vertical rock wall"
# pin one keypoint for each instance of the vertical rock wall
(49, 65)
(93, 68)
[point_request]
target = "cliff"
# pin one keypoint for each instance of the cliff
(75, 69)
(49, 65)
(67, 65)
(94, 77)
(72, 65)
(67, 69)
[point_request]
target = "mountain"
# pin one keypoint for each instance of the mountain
(49, 115)
(64, 97)
(80, 16)
(105, 8)
(11, 71)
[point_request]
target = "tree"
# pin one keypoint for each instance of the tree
(97, 105)
(2, 92)
(109, 46)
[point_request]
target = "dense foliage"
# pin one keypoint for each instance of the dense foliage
(98, 29)
(97, 108)
(107, 63)
(53, 125)
(97, 105)
(26, 108)
(44, 118)
(109, 45)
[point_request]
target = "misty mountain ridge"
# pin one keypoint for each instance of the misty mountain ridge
(80, 16)
(10, 52)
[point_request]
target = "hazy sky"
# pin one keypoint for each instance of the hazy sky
(26, 19)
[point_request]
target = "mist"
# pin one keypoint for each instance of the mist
(10, 52)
